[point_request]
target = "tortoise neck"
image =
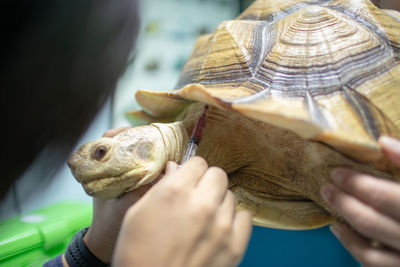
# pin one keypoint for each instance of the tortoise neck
(175, 138)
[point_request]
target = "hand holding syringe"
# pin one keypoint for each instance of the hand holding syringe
(195, 138)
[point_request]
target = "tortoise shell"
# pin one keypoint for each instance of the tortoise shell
(326, 70)
(295, 88)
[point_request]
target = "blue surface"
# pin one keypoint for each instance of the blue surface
(280, 248)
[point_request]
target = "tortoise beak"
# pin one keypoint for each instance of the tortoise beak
(73, 162)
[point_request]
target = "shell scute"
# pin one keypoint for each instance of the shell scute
(326, 70)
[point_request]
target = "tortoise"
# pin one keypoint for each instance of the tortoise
(295, 89)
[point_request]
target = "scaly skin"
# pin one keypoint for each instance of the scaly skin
(132, 158)
(266, 164)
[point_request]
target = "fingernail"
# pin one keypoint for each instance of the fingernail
(326, 192)
(338, 176)
(335, 230)
(389, 142)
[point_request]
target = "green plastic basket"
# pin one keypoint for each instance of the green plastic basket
(33, 239)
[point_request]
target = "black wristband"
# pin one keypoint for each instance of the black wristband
(78, 255)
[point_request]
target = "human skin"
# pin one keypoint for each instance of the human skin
(187, 219)
(108, 214)
(371, 209)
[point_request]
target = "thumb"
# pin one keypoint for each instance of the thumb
(391, 147)
(169, 169)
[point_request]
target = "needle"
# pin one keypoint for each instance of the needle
(196, 136)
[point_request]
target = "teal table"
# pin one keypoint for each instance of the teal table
(310, 248)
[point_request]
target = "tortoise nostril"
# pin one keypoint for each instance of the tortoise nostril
(100, 152)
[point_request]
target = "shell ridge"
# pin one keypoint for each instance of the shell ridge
(213, 39)
(252, 98)
(378, 69)
(282, 79)
(268, 33)
(389, 28)
(246, 53)
(361, 20)
(267, 69)
(315, 111)
(391, 126)
(266, 49)
(262, 45)
(312, 106)
(276, 16)
(239, 69)
(361, 106)
(393, 13)
(185, 76)
(333, 71)
(302, 82)
(262, 69)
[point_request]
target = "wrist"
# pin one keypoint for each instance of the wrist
(99, 244)
(78, 254)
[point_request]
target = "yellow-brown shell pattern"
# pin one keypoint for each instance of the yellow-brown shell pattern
(327, 70)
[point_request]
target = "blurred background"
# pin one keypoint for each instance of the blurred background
(169, 29)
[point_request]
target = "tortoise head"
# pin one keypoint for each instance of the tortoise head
(109, 167)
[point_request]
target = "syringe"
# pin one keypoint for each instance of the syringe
(195, 138)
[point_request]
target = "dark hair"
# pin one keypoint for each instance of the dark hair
(60, 60)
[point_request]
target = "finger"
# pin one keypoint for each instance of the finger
(171, 167)
(391, 147)
(213, 186)
(223, 221)
(226, 212)
(364, 219)
(361, 249)
(113, 132)
(384, 195)
(242, 227)
(189, 174)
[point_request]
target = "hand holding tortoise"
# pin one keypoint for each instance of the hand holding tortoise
(187, 219)
(371, 206)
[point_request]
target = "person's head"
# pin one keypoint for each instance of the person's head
(60, 60)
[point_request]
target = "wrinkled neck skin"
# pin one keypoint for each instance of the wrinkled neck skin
(175, 138)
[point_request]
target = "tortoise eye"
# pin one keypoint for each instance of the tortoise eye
(100, 152)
